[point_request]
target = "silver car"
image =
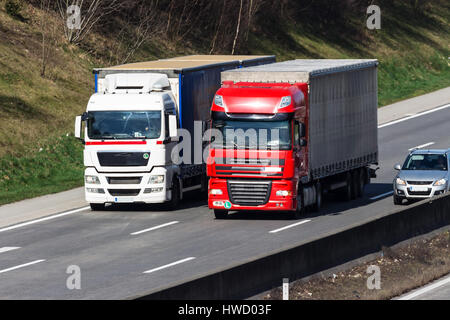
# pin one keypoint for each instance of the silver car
(424, 174)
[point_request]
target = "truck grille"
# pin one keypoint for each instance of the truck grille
(249, 193)
(124, 192)
(123, 159)
(420, 183)
(124, 180)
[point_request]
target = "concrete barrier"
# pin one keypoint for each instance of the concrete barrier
(261, 274)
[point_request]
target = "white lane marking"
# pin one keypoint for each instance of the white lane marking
(426, 289)
(289, 226)
(43, 219)
(6, 249)
(382, 195)
(21, 266)
(414, 116)
(422, 146)
(169, 265)
(154, 228)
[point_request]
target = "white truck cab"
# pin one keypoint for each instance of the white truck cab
(132, 122)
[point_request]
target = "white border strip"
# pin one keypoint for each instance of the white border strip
(6, 249)
(413, 116)
(21, 266)
(43, 219)
(382, 195)
(426, 289)
(154, 228)
(422, 146)
(169, 265)
(289, 226)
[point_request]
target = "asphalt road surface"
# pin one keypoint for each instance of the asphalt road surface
(129, 250)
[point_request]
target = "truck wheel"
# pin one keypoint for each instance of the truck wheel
(97, 206)
(173, 203)
(298, 212)
(355, 179)
(220, 214)
(347, 192)
(316, 207)
(397, 200)
(360, 184)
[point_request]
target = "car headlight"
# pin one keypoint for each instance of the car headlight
(156, 179)
(92, 179)
(400, 182)
(440, 182)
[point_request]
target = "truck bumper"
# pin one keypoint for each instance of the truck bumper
(142, 192)
(275, 202)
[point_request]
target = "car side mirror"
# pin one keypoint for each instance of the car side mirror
(398, 167)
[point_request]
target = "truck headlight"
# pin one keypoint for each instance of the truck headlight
(400, 182)
(156, 179)
(216, 192)
(283, 193)
(440, 182)
(92, 179)
(95, 190)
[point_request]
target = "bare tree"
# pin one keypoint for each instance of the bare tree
(237, 28)
(90, 13)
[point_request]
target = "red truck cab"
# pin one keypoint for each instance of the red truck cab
(261, 153)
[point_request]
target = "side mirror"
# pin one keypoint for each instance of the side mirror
(301, 130)
(173, 131)
(398, 167)
(78, 127)
(303, 143)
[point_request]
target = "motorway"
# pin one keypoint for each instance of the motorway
(128, 251)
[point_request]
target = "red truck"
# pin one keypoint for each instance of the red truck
(285, 133)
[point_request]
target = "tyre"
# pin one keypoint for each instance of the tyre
(316, 207)
(361, 183)
(175, 201)
(354, 186)
(97, 206)
(397, 200)
(220, 214)
(298, 212)
(347, 191)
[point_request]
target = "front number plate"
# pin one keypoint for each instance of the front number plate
(418, 189)
(123, 199)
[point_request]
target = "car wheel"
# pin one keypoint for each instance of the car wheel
(397, 200)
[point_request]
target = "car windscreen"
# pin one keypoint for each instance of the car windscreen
(124, 124)
(426, 162)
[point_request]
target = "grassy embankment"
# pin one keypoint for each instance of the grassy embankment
(36, 155)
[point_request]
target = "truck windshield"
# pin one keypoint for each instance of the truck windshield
(124, 124)
(266, 135)
(426, 162)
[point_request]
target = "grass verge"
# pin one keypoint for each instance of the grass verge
(52, 167)
(402, 269)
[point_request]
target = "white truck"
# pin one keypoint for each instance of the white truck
(132, 122)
